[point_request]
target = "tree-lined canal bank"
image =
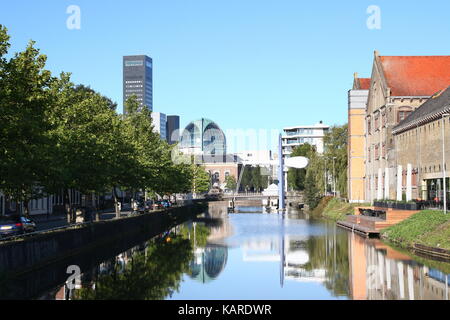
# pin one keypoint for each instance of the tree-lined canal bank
(29, 256)
(221, 256)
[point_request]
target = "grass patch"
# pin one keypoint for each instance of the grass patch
(335, 209)
(428, 227)
(317, 211)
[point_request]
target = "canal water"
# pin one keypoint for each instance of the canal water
(251, 254)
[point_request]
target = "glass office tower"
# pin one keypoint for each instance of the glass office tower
(138, 80)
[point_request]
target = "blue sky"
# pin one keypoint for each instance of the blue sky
(243, 63)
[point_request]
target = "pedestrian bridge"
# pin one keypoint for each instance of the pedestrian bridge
(250, 196)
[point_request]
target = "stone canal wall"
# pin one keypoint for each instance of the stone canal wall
(25, 255)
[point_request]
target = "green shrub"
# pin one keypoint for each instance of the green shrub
(427, 227)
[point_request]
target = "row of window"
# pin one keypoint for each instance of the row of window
(376, 152)
(137, 63)
(380, 119)
(299, 132)
(435, 168)
(377, 124)
(135, 93)
(375, 179)
(216, 175)
(300, 140)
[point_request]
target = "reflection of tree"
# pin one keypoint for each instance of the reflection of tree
(152, 274)
(330, 253)
(198, 234)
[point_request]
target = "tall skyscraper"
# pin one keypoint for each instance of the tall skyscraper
(173, 129)
(138, 80)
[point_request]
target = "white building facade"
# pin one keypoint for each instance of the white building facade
(300, 135)
(266, 159)
(160, 124)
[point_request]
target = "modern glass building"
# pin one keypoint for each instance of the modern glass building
(138, 80)
(203, 137)
(208, 263)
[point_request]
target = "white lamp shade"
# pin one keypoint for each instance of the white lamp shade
(297, 162)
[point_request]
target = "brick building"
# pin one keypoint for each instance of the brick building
(220, 171)
(357, 102)
(420, 154)
(399, 85)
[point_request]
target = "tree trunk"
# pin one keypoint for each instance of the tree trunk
(26, 209)
(116, 203)
(95, 206)
(67, 205)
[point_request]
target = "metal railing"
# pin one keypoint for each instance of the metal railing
(32, 234)
(124, 215)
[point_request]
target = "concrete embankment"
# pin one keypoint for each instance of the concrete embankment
(35, 252)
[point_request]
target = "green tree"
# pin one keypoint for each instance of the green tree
(259, 181)
(85, 135)
(231, 183)
(312, 193)
(56, 136)
(336, 147)
(176, 177)
(24, 102)
(201, 180)
(246, 181)
(296, 177)
(147, 144)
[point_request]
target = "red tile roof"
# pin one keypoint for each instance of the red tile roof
(416, 75)
(364, 83)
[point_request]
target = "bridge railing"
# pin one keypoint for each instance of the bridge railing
(244, 194)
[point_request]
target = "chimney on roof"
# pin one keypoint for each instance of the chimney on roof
(376, 53)
(355, 75)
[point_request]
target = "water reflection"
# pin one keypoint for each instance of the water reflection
(260, 256)
(379, 272)
(210, 255)
(148, 272)
(208, 263)
(308, 254)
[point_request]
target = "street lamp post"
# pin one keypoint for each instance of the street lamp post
(445, 115)
(326, 178)
(334, 177)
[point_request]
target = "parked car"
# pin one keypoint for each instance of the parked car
(148, 206)
(138, 207)
(16, 225)
(166, 203)
(158, 205)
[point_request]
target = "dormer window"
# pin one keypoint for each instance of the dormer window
(403, 113)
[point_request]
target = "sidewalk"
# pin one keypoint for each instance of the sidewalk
(48, 218)
(42, 218)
